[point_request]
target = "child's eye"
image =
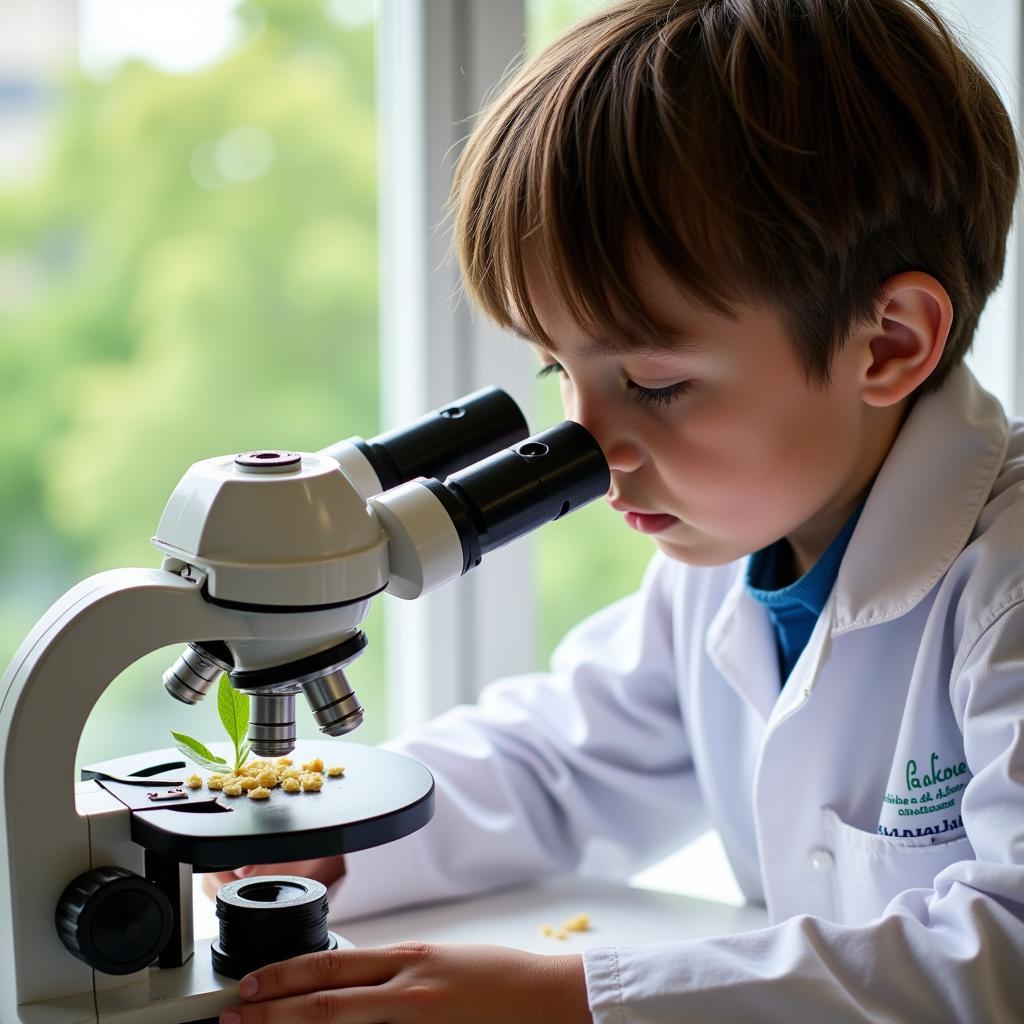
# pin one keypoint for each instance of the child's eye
(659, 396)
(648, 396)
(548, 368)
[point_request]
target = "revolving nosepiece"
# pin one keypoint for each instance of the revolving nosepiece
(321, 679)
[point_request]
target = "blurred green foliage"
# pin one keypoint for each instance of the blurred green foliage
(196, 274)
(546, 19)
(197, 266)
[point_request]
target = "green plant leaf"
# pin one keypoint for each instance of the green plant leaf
(242, 756)
(233, 708)
(196, 751)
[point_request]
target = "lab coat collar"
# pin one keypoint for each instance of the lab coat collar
(924, 503)
(740, 642)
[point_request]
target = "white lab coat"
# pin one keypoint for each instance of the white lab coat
(875, 805)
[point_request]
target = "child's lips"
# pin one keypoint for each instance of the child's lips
(648, 523)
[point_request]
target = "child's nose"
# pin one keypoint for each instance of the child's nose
(622, 455)
(621, 452)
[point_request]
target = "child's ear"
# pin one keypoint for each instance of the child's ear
(905, 342)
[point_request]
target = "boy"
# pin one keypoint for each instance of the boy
(753, 238)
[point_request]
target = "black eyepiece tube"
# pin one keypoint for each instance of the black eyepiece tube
(515, 491)
(446, 439)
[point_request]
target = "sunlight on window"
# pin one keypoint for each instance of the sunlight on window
(178, 37)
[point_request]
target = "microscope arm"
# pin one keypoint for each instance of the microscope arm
(86, 639)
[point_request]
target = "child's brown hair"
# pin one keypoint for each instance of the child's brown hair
(795, 153)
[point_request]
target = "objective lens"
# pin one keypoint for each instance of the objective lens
(272, 724)
(334, 704)
(196, 670)
(269, 919)
(273, 689)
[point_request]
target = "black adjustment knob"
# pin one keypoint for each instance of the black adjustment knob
(269, 918)
(114, 920)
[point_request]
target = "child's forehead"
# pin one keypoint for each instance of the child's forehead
(649, 309)
(671, 340)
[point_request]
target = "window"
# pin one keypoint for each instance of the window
(188, 239)
(992, 30)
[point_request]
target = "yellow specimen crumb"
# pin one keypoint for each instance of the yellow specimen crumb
(578, 923)
(193, 782)
(264, 775)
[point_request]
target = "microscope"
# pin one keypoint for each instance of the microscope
(270, 561)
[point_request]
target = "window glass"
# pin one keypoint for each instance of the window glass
(187, 269)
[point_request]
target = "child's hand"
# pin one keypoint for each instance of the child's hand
(324, 869)
(415, 983)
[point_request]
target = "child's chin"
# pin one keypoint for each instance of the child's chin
(699, 554)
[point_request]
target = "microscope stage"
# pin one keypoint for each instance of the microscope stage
(381, 797)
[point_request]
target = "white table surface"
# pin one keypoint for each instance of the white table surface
(620, 915)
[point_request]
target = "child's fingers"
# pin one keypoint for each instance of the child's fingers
(339, 1006)
(320, 972)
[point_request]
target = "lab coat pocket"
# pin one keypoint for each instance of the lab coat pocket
(871, 869)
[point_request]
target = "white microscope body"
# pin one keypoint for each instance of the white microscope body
(271, 560)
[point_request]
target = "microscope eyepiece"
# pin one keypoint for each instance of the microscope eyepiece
(446, 439)
(515, 491)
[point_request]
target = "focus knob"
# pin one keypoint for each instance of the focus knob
(114, 920)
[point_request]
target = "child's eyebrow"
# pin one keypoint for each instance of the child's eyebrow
(677, 339)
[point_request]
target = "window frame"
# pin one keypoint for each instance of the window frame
(994, 30)
(433, 75)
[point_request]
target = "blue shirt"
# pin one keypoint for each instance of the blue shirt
(794, 609)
